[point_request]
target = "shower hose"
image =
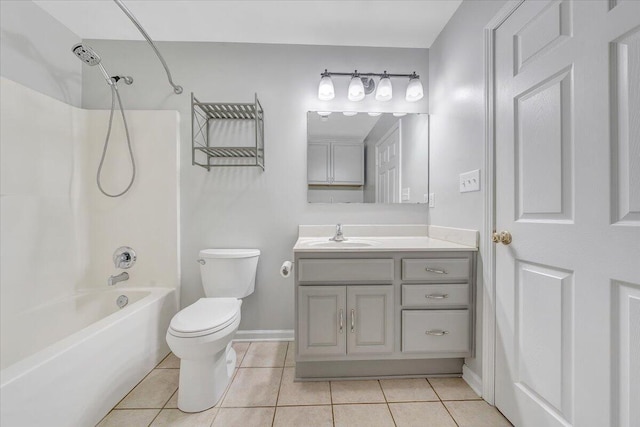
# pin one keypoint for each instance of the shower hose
(116, 95)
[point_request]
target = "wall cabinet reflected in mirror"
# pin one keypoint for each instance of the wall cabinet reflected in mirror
(367, 157)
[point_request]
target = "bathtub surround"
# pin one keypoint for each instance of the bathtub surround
(34, 51)
(456, 107)
(245, 207)
(58, 237)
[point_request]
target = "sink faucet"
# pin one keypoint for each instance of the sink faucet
(339, 237)
(112, 280)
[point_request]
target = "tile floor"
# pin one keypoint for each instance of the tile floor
(263, 393)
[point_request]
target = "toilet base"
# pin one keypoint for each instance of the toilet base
(203, 381)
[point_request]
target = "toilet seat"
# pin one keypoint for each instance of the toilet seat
(205, 316)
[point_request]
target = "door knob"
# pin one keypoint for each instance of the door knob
(503, 237)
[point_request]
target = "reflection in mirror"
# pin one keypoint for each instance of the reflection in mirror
(367, 157)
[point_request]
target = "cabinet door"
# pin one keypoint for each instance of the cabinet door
(348, 163)
(319, 163)
(322, 320)
(370, 319)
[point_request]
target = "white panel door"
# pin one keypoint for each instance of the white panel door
(321, 320)
(348, 163)
(567, 189)
(388, 167)
(370, 313)
(319, 163)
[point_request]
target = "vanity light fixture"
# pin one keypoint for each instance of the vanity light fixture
(363, 84)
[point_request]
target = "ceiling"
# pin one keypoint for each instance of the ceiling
(394, 23)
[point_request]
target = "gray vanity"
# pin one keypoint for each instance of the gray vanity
(388, 301)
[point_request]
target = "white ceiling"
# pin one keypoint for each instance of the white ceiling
(395, 23)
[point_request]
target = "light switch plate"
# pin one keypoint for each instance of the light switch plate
(432, 200)
(406, 194)
(470, 181)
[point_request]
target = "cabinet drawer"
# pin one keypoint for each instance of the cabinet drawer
(435, 331)
(345, 270)
(435, 269)
(435, 295)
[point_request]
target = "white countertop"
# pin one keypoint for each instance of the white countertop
(378, 244)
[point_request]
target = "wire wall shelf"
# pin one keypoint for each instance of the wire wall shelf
(227, 134)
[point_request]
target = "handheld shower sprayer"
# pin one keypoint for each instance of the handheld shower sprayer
(90, 57)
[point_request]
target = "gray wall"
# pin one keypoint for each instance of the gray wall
(245, 207)
(35, 51)
(456, 103)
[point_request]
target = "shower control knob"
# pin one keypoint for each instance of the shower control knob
(124, 257)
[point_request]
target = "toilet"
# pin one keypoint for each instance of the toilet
(200, 334)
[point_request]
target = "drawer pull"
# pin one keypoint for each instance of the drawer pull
(341, 320)
(437, 296)
(353, 320)
(433, 270)
(436, 332)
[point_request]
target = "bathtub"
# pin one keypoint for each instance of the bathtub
(67, 363)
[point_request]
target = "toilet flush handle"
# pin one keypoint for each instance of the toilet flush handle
(201, 261)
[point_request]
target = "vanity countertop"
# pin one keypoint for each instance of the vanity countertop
(384, 238)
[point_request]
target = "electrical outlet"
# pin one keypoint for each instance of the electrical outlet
(432, 200)
(470, 181)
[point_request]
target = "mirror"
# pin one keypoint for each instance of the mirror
(367, 157)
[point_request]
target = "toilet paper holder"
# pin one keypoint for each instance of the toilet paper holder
(286, 268)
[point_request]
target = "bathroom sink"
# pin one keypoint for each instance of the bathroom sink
(349, 243)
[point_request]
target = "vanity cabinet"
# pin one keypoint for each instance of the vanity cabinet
(341, 320)
(361, 314)
(335, 163)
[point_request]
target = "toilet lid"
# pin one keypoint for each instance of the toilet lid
(205, 316)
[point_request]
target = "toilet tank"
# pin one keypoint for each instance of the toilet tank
(228, 272)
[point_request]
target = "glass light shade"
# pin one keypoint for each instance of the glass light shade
(349, 113)
(374, 114)
(414, 90)
(399, 114)
(356, 89)
(324, 113)
(384, 91)
(325, 89)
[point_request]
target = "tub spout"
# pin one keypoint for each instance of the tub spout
(112, 280)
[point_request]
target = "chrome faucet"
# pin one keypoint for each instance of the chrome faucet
(112, 280)
(339, 237)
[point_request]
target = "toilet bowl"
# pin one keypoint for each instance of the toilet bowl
(201, 334)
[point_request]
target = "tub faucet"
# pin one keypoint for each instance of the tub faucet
(112, 280)
(339, 237)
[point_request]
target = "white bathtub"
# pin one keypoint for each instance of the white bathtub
(69, 362)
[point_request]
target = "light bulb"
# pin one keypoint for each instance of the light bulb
(384, 91)
(414, 89)
(356, 89)
(325, 88)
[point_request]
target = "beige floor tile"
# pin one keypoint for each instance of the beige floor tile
(177, 418)
(368, 391)
(241, 350)
(129, 418)
(420, 414)
(369, 415)
(153, 391)
(254, 387)
(244, 417)
(408, 390)
(302, 393)
(453, 389)
(169, 362)
(296, 416)
(476, 414)
(265, 354)
(290, 360)
(173, 402)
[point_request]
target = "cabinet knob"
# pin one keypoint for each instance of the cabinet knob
(436, 332)
(435, 270)
(341, 320)
(353, 320)
(437, 296)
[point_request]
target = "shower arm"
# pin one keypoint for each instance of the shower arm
(176, 88)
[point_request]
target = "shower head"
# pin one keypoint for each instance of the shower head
(86, 54)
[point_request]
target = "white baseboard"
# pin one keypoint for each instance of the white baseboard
(265, 335)
(474, 381)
